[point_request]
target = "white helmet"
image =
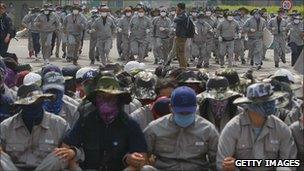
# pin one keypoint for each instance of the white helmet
(81, 72)
(134, 65)
(284, 73)
(32, 78)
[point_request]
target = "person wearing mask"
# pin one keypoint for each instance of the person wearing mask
(66, 11)
(182, 140)
(227, 31)
(199, 41)
(208, 18)
(56, 39)
(7, 31)
(29, 138)
(296, 37)
(73, 25)
(104, 27)
(33, 38)
(278, 27)
(93, 51)
(47, 23)
(256, 133)
(123, 27)
(254, 27)
(161, 26)
(140, 28)
(122, 144)
(239, 47)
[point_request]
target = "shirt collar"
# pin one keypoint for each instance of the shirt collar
(245, 120)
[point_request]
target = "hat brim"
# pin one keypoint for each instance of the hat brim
(178, 110)
(33, 99)
(217, 95)
(53, 86)
(274, 96)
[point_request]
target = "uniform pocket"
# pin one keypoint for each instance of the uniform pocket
(44, 150)
(15, 150)
(244, 151)
(164, 147)
(271, 151)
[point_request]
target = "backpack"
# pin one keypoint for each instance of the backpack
(190, 28)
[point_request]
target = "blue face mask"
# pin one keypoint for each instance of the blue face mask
(184, 120)
(56, 105)
(265, 108)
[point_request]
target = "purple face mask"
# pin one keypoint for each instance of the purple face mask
(107, 109)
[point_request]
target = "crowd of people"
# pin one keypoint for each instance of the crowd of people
(125, 117)
(191, 35)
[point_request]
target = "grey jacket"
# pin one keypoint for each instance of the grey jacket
(158, 22)
(124, 24)
(74, 24)
(28, 20)
(272, 26)
(45, 25)
(252, 23)
(139, 26)
(228, 29)
(104, 31)
(238, 139)
(203, 30)
(297, 129)
(179, 148)
(143, 116)
(295, 33)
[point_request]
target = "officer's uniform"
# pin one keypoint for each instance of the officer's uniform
(74, 25)
(118, 39)
(255, 39)
(239, 46)
(124, 25)
(33, 37)
(33, 150)
(93, 51)
(161, 45)
(211, 36)
(140, 29)
(239, 140)
(279, 31)
(296, 40)
(64, 38)
(297, 129)
(227, 30)
(199, 42)
(104, 30)
(179, 148)
(46, 28)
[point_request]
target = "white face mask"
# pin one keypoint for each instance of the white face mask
(172, 12)
(208, 13)
(103, 14)
(163, 14)
(229, 18)
(297, 21)
(141, 14)
(46, 12)
(75, 12)
(128, 14)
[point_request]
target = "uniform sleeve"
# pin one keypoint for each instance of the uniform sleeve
(288, 149)
(219, 29)
(213, 143)
(246, 25)
(26, 20)
(84, 22)
(227, 143)
(2, 135)
(137, 139)
(150, 138)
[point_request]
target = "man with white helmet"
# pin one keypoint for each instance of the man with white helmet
(161, 30)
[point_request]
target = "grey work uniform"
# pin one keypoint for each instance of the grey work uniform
(279, 30)
(228, 31)
(28, 20)
(46, 26)
(297, 129)
(239, 140)
(139, 36)
(105, 28)
(124, 25)
(255, 38)
(296, 40)
(74, 25)
(69, 110)
(33, 150)
(178, 148)
(199, 42)
(211, 36)
(239, 46)
(162, 39)
(143, 116)
(93, 51)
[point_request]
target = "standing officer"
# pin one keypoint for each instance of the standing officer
(7, 31)
(254, 27)
(256, 133)
(73, 24)
(296, 37)
(239, 46)
(93, 51)
(123, 26)
(104, 27)
(47, 23)
(211, 34)
(161, 30)
(227, 31)
(199, 41)
(278, 27)
(140, 27)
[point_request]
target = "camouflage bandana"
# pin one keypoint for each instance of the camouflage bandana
(218, 107)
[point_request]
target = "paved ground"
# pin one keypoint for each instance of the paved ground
(20, 48)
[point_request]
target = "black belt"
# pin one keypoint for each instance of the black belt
(227, 40)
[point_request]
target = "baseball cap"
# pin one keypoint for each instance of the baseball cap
(32, 78)
(183, 100)
(53, 80)
(50, 68)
